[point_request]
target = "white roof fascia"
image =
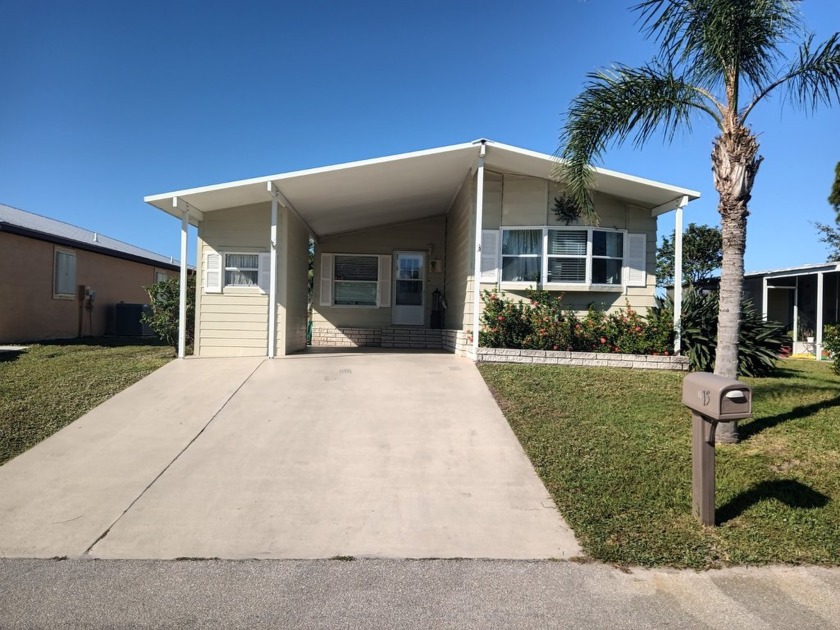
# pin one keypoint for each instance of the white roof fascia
(677, 190)
(790, 272)
(309, 171)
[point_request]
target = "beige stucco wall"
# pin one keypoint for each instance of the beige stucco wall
(414, 236)
(30, 311)
(234, 322)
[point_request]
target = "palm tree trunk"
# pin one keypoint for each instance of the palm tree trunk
(734, 164)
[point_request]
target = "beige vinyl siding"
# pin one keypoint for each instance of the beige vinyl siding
(529, 201)
(234, 322)
(291, 326)
(460, 257)
(414, 236)
(524, 201)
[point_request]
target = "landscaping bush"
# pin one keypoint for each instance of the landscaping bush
(831, 342)
(542, 323)
(164, 299)
(759, 342)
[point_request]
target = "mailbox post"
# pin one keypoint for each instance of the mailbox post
(712, 399)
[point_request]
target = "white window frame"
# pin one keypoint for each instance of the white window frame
(226, 268)
(587, 284)
(328, 280)
(62, 295)
(161, 276)
(502, 255)
(215, 272)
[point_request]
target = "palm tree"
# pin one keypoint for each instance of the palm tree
(716, 58)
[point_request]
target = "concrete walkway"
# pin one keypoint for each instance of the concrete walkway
(400, 455)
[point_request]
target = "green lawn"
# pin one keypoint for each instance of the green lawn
(613, 447)
(51, 384)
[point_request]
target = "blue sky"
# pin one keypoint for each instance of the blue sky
(105, 102)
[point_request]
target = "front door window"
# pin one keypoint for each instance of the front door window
(408, 288)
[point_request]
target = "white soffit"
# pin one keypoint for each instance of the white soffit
(399, 188)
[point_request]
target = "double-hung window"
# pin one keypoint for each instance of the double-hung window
(356, 280)
(567, 256)
(360, 280)
(576, 256)
(64, 274)
(607, 257)
(248, 271)
(522, 255)
(242, 270)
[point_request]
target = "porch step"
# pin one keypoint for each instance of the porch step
(422, 338)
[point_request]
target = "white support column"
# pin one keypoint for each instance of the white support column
(479, 211)
(796, 312)
(272, 290)
(819, 331)
(182, 310)
(678, 270)
(765, 294)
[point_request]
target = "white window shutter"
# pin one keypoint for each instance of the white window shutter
(264, 273)
(490, 255)
(635, 260)
(212, 272)
(383, 294)
(326, 280)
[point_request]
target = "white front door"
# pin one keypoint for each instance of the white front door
(409, 281)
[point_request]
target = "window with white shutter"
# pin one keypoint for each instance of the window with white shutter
(212, 272)
(636, 260)
(355, 280)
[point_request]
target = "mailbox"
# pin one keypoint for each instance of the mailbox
(716, 397)
(712, 399)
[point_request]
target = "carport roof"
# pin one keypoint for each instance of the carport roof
(397, 188)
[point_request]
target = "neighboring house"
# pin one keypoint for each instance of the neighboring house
(394, 233)
(61, 281)
(803, 298)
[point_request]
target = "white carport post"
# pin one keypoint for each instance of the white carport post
(796, 312)
(479, 211)
(678, 270)
(765, 295)
(819, 331)
(182, 297)
(272, 287)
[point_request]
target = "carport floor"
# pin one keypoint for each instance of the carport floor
(397, 454)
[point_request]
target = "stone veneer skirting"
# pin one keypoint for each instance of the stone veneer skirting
(454, 341)
(589, 359)
(457, 342)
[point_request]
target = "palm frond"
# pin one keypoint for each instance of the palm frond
(812, 79)
(716, 39)
(617, 105)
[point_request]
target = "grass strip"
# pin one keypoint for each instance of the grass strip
(51, 384)
(613, 448)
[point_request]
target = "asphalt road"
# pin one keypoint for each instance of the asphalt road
(87, 593)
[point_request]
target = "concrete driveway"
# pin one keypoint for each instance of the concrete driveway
(312, 456)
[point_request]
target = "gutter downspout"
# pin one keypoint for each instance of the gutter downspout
(479, 211)
(678, 271)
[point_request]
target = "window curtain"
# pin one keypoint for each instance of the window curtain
(522, 242)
